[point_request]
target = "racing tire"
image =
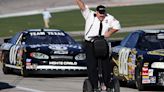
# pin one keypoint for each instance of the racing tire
(87, 87)
(24, 72)
(6, 70)
(116, 85)
(138, 79)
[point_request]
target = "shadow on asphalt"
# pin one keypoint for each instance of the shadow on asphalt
(55, 76)
(5, 86)
(16, 72)
(152, 88)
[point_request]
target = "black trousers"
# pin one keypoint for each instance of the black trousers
(92, 66)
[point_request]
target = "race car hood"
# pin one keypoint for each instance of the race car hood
(56, 48)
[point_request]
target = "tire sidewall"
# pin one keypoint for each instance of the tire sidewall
(87, 87)
(6, 70)
(138, 78)
(116, 85)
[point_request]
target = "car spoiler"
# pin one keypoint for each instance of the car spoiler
(6, 40)
(115, 42)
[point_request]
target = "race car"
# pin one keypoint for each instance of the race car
(139, 59)
(43, 51)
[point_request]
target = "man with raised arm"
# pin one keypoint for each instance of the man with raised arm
(97, 23)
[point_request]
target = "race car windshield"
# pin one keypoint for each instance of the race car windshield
(48, 39)
(151, 42)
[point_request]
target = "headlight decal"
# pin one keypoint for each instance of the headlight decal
(158, 65)
(157, 52)
(39, 55)
(80, 56)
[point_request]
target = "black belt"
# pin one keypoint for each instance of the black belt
(88, 41)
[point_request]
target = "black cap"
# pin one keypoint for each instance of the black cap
(101, 9)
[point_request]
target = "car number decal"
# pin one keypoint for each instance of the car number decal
(12, 55)
(123, 61)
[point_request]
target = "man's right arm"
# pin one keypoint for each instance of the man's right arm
(81, 4)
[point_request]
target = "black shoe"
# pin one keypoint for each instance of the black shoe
(110, 90)
(96, 90)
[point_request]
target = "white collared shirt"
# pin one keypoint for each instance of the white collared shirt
(92, 23)
(46, 14)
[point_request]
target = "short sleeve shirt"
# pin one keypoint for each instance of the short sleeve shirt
(92, 23)
(46, 15)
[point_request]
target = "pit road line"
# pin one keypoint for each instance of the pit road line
(28, 89)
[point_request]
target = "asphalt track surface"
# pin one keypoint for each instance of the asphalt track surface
(16, 83)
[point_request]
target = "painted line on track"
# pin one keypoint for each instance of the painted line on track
(28, 89)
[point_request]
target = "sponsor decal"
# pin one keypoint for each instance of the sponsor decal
(37, 33)
(145, 71)
(56, 33)
(151, 72)
(58, 47)
(63, 63)
(19, 57)
(61, 52)
(63, 57)
(29, 67)
(45, 33)
(131, 64)
(28, 60)
(145, 77)
(145, 80)
(146, 64)
(153, 79)
(28, 64)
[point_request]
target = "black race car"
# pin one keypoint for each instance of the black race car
(43, 51)
(140, 58)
